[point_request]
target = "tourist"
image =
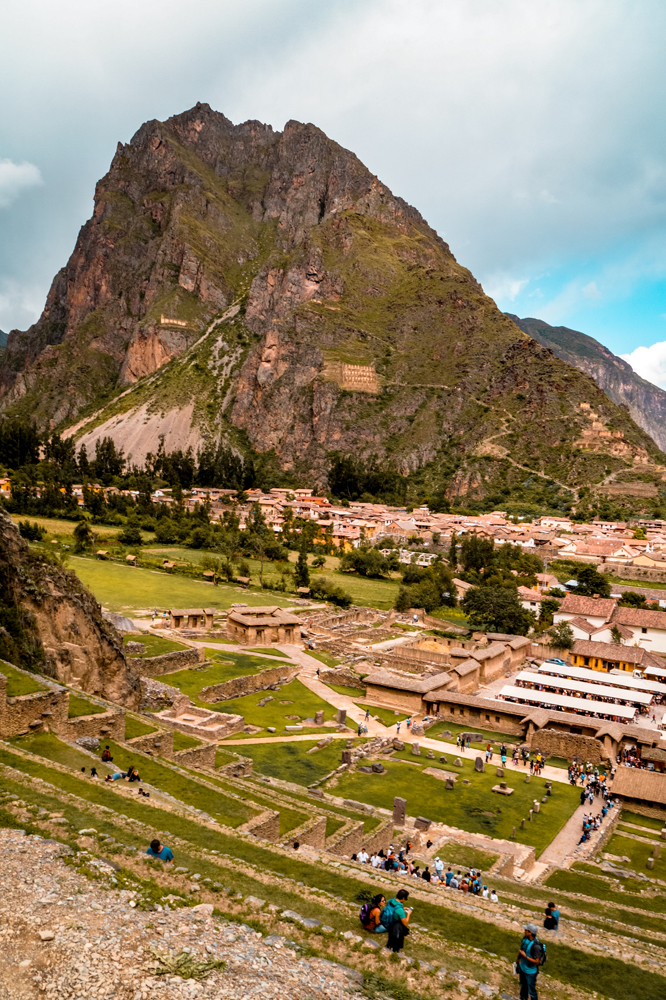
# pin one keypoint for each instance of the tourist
(395, 916)
(374, 860)
(458, 740)
(371, 915)
(132, 774)
(439, 867)
(397, 729)
(494, 898)
(448, 877)
(455, 881)
(363, 857)
(161, 851)
(529, 955)
(359, 731)
(367, 714)
(552, 919)
(93, 772)
(485, 892)
(427, 877)
(106, 756)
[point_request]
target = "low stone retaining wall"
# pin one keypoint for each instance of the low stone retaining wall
(633, 572)
(107, 725)
(239, 768)
(197, 756)
(239, 686)
(160, 743)
(342, 676)
(266, 825)
(312, 835)
(380, 839)
(349, 843)
(154, 666)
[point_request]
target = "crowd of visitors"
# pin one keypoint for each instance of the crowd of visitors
(470, 881)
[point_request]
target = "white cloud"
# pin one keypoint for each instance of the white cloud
(649, 362)
(15, 178)
(591, 291)
(503, 288)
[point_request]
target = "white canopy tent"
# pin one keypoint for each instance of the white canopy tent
(596, 690)
(546, 699)
(620, 679)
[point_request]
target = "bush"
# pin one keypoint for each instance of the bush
(131, 534)
(32, 532)
(165, 532)
(497, 609)
(366, 562)
(325, 590)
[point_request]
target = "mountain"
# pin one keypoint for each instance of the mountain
(264, 290)
(3, 341)
(646, 402)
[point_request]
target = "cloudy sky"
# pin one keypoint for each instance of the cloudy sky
(530, 135)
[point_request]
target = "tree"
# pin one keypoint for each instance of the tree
(365, 562)
(630, 599)
(83, 536)
(562, 635)
(497, 609)
(318, 562)
(639, 533)
(259, 550)
(616, 636)
(591, 582)
(453, 552)
(131, 534)
(546, 612)
(476, 553)
(302, 573)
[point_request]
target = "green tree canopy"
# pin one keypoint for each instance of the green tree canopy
(497, 609)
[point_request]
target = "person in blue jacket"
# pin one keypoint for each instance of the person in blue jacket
(528, 960)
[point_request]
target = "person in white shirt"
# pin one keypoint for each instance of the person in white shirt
(374, 860)
(494, 898)
(485, 892)
(439, 867)
(362, 856)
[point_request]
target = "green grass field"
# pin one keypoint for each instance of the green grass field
(294, 699)
(181, 741)
(155, 645)
(123, 588)
(638, 853)
(473, 807)
(224, 667)
(19, 683)
(81, 706)
(292, 762)
(388, 716)
(136, 727)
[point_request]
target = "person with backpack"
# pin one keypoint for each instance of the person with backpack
(531, 956)
(552, 920)
(395, 917)
(371, 915)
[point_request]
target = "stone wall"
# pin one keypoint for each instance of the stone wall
(153, 666)
(635, 805)
(237, 768)
(160, 743)
(380, 839)
(266, 825)
(349, 843)
(239, 686)
(312, 836)
(487, 718)
(634, 572)
(47, 709)
(197, 756)
(404, 701)
(568, 745)
(342, 676)
(108, 725)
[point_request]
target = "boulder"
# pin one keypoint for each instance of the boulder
(416, 750)
(450, 784)
(319, 718)
(378, 767)
(398, 745)
(458, 762)
(479, 765)
(500, 772)
(88, 742)
(421, 823)
(135, 648)
(442, 759)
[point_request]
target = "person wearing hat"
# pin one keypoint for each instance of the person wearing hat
(527, 962)
(439, 867)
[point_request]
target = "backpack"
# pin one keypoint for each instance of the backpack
(388, 913)
(364, 915)
(542, 951)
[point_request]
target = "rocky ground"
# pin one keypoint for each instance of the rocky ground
(63, 935)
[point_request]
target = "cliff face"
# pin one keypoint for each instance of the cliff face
(646, 402)
(50, 622)
(266, 290)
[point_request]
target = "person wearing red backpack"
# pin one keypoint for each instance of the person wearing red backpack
(371, 915)
(531, 955)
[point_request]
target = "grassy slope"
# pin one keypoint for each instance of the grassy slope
(123, 588)
(135, 727)
(300, 702)
(81, 706)
(155, 645)
(18, 683)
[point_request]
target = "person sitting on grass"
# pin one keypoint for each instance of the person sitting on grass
(161, 851)
(373, 915)
(106, 756)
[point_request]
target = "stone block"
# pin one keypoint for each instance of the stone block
(378, 768)
(536, 808)
(458, 762)
(500, 772)
(319, 718)
(450, 784)
(479, 765)
(430, 755)
(341, 716)
(522, 824)
(656, 851)
(502, 789)
(421, 823)
(416, 750)
(663, 833)
(398, 745)
(399, 811)
(472, 737)
(545, 798)
(527, 779)
(442, 759)
(346, 756)
(650, 862)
